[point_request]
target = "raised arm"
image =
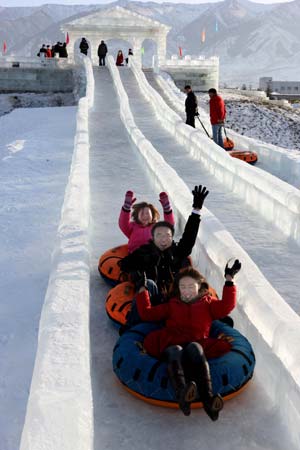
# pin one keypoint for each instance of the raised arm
(188, 239)
(167, 208)
(124, 217)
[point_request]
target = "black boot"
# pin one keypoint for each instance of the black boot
(185, 392)
(194, 356)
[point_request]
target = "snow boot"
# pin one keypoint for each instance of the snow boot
(185, 392)
(212, 404)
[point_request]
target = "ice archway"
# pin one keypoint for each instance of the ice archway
(117, 23)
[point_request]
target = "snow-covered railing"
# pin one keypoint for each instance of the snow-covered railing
(261, 314)
(285, 164)
(29, 62)
(60, 408)
(277, 201)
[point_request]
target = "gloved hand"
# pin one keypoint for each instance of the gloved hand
(197, 113)
(164, 200)
(200, 193)
(139, 279)
(232, 271)
(129, 200)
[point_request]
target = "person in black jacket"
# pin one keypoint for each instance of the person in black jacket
(84, 46)
(191, 106)
(102, 50)
(162, 258)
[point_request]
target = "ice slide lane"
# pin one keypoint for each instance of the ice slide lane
(263, 163)
(277, 256)
(121, 422)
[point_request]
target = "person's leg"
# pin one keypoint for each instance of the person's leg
(100, 61)
(193, 358)
(215, 133)
(220, 137)
(133, 317)
(185, 393)
(190, 120)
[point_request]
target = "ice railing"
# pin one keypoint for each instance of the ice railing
(189, 60)
(60, 408)
(36, 62)
(262, 315)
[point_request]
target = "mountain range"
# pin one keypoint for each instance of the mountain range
(251, 39)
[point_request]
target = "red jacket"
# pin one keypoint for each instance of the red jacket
(217, 109)
(120, 60)
(186, 322)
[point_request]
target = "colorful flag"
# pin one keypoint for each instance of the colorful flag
(142, 50)
(203, 35)
(180, 52)
(4, 47)
(217, 26)
(67, 38)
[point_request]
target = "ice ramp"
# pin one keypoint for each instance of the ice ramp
(265, 416)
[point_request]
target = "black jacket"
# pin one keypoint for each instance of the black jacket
(102, 49)
(191, 104)
(84, 46)
(162, 266)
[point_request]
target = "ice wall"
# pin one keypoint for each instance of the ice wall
(262, 315)
(285, 164)
(59, 410)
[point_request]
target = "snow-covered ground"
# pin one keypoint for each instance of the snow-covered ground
(35, 154)
(36, 150)
(9, 102)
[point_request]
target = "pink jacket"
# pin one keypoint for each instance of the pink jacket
(136, 233)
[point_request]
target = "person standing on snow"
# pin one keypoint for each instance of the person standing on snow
(191, 106)
(84, 46)
(102, 50)
(217, 112)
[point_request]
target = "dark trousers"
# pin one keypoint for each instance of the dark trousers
(101, 60)
(190, 120)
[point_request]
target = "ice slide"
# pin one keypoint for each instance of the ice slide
(94, 411)
(278, 161)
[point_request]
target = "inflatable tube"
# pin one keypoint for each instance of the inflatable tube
(119, 299)
(108, 264)
(228, 144)
(244, 155)
(147, 378)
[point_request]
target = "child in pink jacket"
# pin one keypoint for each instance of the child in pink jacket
(144, 215)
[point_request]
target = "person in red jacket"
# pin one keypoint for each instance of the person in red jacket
(120, 58)
(217, 112)
(184, 340)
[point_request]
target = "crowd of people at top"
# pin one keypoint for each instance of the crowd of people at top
(169, 290)
(102, 52)
(50, 51)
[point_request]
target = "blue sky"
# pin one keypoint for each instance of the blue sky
(95, 2)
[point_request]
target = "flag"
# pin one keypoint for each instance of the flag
(203, 35)
(217, 26)
(142, 50)
(180, 52)
(4, 47)
(67, 38)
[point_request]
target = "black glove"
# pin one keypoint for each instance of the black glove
(232, 271)
(139, 279)
(200, 193)
(197, 114)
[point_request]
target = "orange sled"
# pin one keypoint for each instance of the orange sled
(108, 263)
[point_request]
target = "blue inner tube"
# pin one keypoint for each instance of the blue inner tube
(148, 376)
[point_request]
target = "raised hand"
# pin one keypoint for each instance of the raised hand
(232, 271)
(200, 193)
(129, 200)
(164, 200)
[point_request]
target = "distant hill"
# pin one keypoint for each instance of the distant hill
(251, 39)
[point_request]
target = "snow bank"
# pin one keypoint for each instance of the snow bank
(262, 315)
(60, 410)
(275, 200)
(285, 164)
